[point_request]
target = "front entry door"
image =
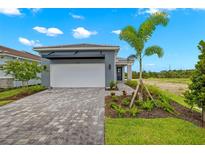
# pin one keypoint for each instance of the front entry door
(119, 73)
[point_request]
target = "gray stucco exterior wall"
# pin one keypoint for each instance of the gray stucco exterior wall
(107, 57)
(110, 67)
(45, 75)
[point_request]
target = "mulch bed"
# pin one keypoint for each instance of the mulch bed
(182, 112)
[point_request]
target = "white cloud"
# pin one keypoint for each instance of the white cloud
(10, 11)
(75, 16)
(116, 31)
(48, 31)
(150, 65)
(40, 29)
(32, 43)
(54, 32)
(81, 32)
(154, 10)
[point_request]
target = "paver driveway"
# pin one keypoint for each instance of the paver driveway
(57, 116)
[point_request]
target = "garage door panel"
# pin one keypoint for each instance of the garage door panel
(77, 75)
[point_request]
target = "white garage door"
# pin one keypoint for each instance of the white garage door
(77, 75)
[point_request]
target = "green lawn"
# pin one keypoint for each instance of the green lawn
(6, 96)
(172, 80)
(152, 131)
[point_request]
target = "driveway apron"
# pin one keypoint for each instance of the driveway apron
(56, 116)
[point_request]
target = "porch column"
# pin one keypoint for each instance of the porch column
(129, 72)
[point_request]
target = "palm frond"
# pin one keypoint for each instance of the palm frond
(147, 27)
(154, 50)
(130, 29)
(129, 34)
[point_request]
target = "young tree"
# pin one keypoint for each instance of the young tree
(137, 38)
(22, 70)
(196, 93)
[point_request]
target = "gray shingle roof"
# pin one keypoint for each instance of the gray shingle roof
(13, 52)
(80, 46)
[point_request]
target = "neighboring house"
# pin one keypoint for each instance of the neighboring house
(82, 65)
(8, 54)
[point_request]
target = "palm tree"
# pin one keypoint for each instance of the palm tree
(137, 38)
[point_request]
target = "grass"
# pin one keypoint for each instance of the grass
(8, 95)
(176, 98)
(5, 102)
(152, 131)
(132, 83)
(172, 80)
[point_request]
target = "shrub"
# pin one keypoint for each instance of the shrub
(154, 90)
(148, 105)
(113, 84)
(165, 105)
(131, 83)
(126, 101)
(195, 95)
(112, 93)
(139, 102)
(113, 105)
(115, 98)
(133, 111)
(120, 111)
(22, 70)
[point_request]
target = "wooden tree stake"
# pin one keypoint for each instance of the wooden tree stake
(134, 96)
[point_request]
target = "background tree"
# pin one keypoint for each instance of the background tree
(196, 93)
(22, 70)
(137, 38)
(164, 74)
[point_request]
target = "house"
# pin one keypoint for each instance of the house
(82, 65)
(8, 54)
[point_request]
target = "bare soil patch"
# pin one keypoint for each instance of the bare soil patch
(176, 88)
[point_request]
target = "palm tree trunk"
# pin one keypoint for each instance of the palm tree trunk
(140, 62)
(139, 85)
(140, 79)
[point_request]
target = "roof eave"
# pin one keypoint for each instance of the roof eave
(74, 48)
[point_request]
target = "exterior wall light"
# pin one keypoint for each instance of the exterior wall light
(109, 66)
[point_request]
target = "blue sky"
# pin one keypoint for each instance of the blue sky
(24, 28)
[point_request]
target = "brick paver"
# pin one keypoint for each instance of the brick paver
(57, 116)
